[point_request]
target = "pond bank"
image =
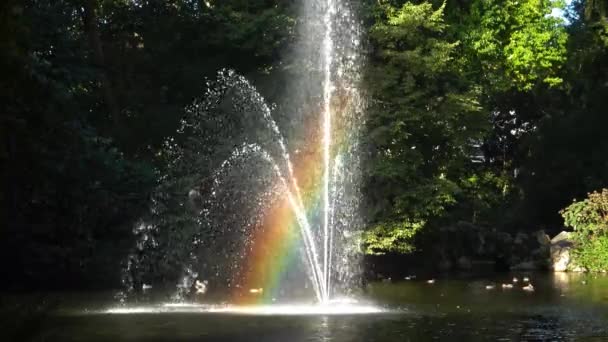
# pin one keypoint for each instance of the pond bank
(465, 248)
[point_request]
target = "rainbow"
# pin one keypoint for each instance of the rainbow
(274, 248)
(275, 244)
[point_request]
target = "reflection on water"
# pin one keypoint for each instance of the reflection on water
(563, 307)
(337, 308)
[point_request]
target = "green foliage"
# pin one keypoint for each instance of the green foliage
(391, 237)
(481, 112)
(565, 156)
(593, 254)
(589, 219)
(517, 43)
(423, 121)
(81, 126)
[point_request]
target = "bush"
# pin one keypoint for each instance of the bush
(589, 219)
(391, 237)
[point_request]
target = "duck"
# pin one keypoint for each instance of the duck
(507, 286)
(430, 281)
(528, 288)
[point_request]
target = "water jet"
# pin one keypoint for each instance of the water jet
(303, 208)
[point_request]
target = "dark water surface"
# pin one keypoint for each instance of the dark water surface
(563, 307)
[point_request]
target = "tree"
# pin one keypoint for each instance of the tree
(515, 44)
(424, 122)
(566, 156)
(89, 92)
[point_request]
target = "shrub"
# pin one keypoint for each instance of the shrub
(589, 219)
(391, 237)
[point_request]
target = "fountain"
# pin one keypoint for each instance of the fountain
(260, 196)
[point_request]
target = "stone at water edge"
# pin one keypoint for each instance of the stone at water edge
(560, 258)
(576, 268)
(543, 239)
(562, 236)
(525, 266)
(464, 263)
(520, 238)
(561, 245)
(445, 265)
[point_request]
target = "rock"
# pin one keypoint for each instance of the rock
(561, 237)
(577, 268)
(560, 258)
(445, 265)
(464, 263)
(561, 245)
(504, 238)
(543, 239)
(525, 266)
(520, 238)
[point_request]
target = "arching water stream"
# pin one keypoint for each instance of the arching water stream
(238, 234)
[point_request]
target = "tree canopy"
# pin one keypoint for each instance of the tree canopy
(488, 113)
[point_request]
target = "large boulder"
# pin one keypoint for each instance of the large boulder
(561, 253)
(543, 239)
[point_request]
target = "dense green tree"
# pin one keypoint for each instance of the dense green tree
(489, 112)
(424, 123)
(89, 92)
(504, 62)
(566, 157)
(515, 44)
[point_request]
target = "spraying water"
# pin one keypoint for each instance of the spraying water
(329, 56)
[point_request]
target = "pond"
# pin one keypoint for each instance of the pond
(562, 307)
